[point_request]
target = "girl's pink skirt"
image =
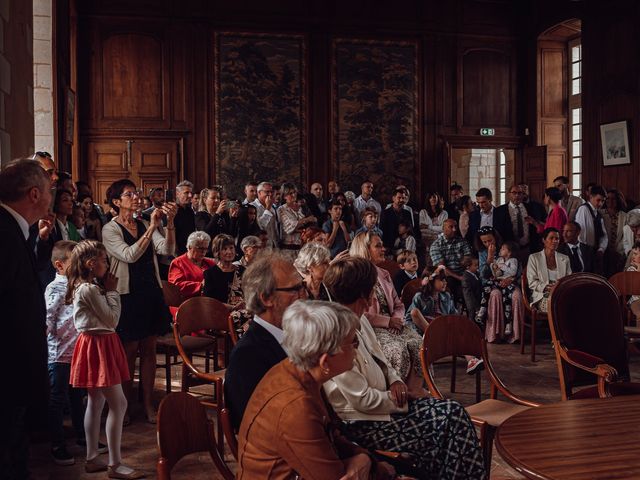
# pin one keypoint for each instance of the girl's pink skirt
(98, 361)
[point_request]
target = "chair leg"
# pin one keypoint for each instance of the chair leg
(487, 432)
(453, 374)
(524, 328)
(167, 370)
(534, 320)
(478, 393)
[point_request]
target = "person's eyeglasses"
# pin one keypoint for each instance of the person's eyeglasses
(131, 194)
(300, 287)
(201, 249)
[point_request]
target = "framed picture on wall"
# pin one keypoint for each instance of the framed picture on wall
(615, 144)
(69, 115)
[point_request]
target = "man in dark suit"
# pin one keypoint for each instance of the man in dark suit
(270, 285)
(487, 215)
(25, 196)
(580, 254)
(455, 192)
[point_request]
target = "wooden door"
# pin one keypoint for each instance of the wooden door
(533, 170)
(147, 162)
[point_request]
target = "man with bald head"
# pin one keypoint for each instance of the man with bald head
(448, 250)
(25, 196)
(316, 203)
(270, 284)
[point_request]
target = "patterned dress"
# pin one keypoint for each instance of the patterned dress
(437, 433)
(401, 349)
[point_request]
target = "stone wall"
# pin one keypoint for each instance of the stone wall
(16, 79)
(42, 76)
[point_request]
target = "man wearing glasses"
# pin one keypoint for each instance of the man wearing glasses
(270, 285)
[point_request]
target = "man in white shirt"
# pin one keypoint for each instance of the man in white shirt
(250, 192)
(365, 199)
(25, 196)
(593, 231)
(266, 212)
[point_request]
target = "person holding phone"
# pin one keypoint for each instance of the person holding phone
(214, 214)
(132, 245)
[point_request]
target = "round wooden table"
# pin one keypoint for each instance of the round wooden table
(575, 440)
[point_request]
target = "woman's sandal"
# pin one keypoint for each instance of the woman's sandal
(133, 475)
(95, 465)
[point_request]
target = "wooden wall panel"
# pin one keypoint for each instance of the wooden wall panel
(486, 90)
(465, 65)
(132, 77)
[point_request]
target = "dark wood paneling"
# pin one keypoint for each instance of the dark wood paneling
(132, 77)
(486, 89)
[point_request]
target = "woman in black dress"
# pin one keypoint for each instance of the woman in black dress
(132, 245)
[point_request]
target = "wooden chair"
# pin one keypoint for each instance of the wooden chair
(184, 428)
(391, 267)
(532, 314)
(627, 284)
(457, 335)
(409, 291)
(585, 318)
(229, 432)
(166, 345)
(210, 315)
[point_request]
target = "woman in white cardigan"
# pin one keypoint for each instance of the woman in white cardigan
(132, 245)
(378, 409)
(545, 268)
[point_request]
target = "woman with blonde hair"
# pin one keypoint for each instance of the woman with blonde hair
(400, 345)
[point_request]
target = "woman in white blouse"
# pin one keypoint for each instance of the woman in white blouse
(545, 268)
(431, 219)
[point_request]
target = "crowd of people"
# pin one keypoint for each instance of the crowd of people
(325, 340)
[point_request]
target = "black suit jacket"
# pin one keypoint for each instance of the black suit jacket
(389, 221)
(253, 356)
(501, 223)
(24, 351)
(586, 252)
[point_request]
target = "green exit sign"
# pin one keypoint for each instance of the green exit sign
(487, 132)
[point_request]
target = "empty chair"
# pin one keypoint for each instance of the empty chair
(585, 318)
(458, 336)
(184, 428)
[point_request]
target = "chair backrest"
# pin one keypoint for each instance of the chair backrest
(390, 266)
(171, 294)
(409, 291)
(202, 313)
(524, 287)
(446, 336)
(585, 315)
(183, 428)
(627, 284)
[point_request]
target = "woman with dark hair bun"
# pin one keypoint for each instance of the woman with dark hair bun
(132, 244)
(557, 214)
(545, 268)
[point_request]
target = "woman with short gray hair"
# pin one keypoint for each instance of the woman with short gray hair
(286, 428)
(312, 263)
(187, 271)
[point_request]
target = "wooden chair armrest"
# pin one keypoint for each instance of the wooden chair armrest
(589, 363)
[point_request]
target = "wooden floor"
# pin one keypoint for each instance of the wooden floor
(536, 381)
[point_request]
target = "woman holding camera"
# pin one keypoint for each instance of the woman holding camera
(132, 245)
(215, 215)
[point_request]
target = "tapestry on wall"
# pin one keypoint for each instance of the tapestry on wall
(260, 110)
(375, 112)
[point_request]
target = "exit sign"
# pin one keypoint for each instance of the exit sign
(487, 132)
